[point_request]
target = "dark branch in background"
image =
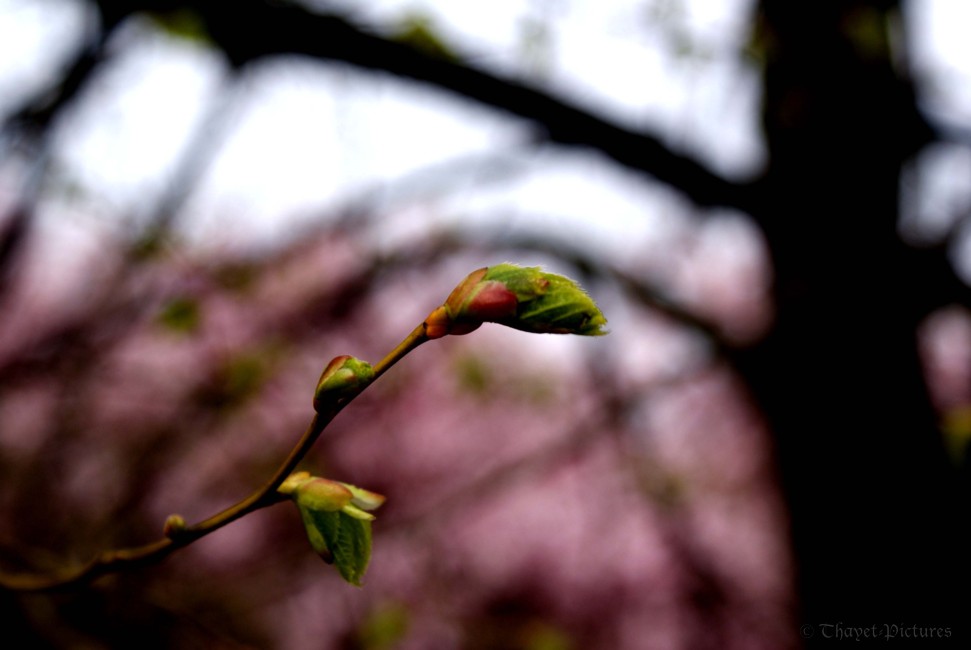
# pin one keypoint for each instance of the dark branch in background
(247, 31)
(13, 234)
(204, 145)
(934, 273)
(252, 30)
(38, 111)
(28, 129)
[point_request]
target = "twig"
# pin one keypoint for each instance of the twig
(120, 559)
(520, 297)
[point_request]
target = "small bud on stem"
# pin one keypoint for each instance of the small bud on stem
(343, 377)
(174, 525)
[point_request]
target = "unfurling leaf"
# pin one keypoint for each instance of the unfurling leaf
(364, 499)
(340, 539)
(524, 298)
(334, 515)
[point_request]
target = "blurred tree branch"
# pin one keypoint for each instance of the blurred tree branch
(254, 29)
(250, 30)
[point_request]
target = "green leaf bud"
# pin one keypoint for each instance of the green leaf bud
(547, 302)
(332, 495)
(524, 298)
(344, 376)
(478, 300)
(335, 517)
(322, 494)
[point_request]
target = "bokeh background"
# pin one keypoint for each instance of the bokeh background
(201, 203)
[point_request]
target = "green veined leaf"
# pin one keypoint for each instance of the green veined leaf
(341, 539)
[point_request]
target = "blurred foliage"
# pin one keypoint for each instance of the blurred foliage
(486, 379)
(867, 29)
(183, 22)
(419, 31)
(384, 627)
(236, 380)
(474, 375)
(956, 429)
(180, 315)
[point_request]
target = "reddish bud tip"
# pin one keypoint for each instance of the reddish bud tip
(490, 302)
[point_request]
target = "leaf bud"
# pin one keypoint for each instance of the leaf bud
(524, 298)
(336, 520)
(174, 525)
(344, 376)
(322, 494)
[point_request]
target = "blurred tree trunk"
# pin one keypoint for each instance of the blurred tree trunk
(873, 500)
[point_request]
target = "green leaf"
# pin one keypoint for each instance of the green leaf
(336, 519)
(341, 539)
(352, 547)
(313, 522)
(548, 303)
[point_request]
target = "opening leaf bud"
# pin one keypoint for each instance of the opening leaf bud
(524, 298)
(335, 517)
(322, 494)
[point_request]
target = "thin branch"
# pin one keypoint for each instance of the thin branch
(121, 559)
